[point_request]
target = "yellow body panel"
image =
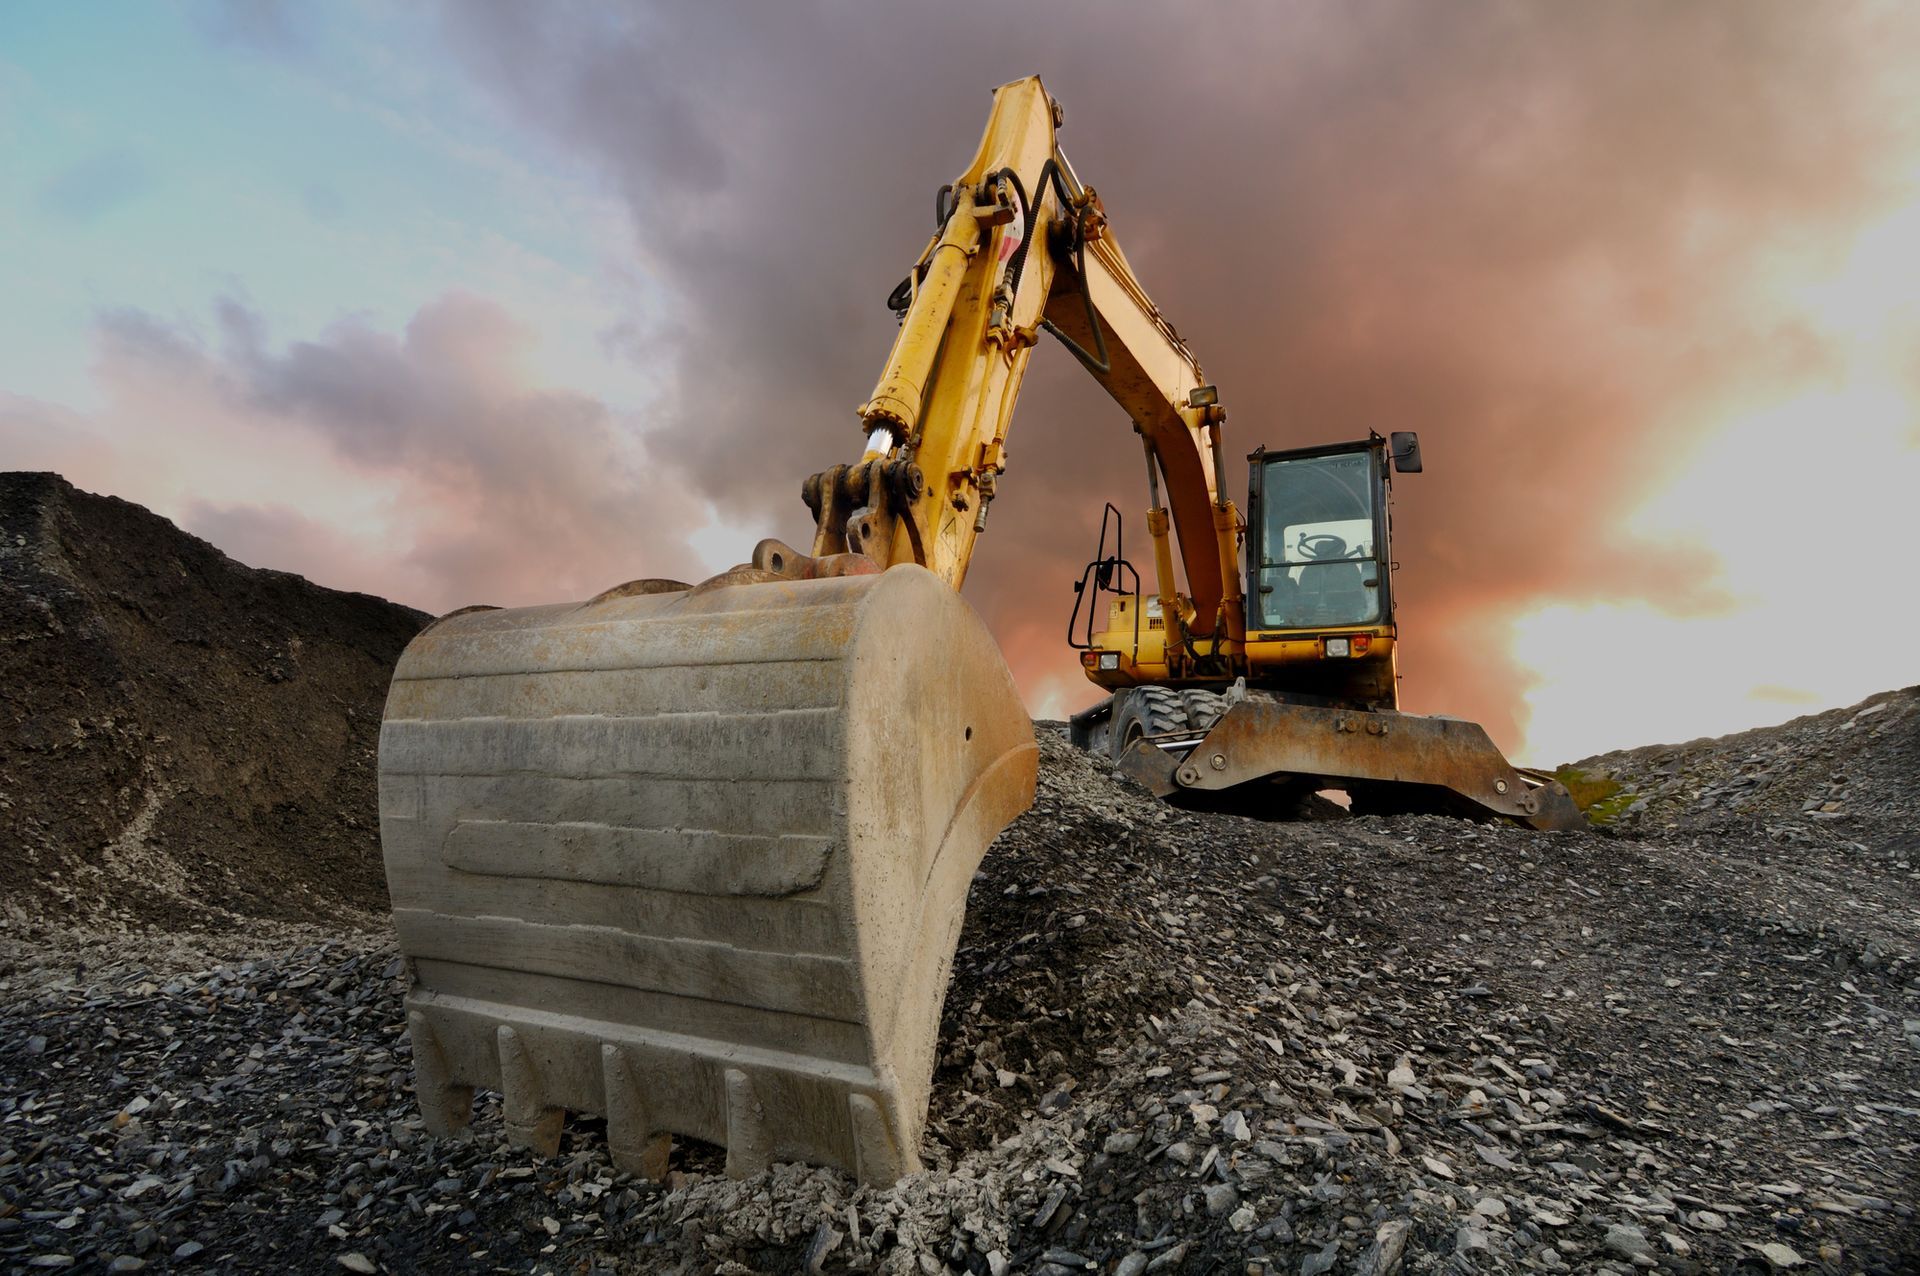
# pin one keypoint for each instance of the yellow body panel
(1270, 656)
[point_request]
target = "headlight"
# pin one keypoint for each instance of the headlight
(1337, 647)
(1109, 660)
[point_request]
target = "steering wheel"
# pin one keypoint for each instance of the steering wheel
(1323, 545)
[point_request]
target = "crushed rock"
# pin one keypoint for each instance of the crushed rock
(1373, 1045)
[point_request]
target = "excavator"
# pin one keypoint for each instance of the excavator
(694, 858)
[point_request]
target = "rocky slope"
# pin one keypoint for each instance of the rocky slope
(180, 735)
(1848, 776)
(1175, 1042)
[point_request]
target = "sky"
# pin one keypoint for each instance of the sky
(509, 303)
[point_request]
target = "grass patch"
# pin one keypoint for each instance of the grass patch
(1601, 798)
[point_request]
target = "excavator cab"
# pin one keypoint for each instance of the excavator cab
(1318, 553)
(1319, 598)
(1315, 537)
(1313, 702)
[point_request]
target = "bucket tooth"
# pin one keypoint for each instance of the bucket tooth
(726, 832)
(749, 1142)
(445, 1108)
(635, 1142)
(878, 1157)
(531, 1122)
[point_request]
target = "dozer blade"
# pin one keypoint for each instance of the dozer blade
(696, 860)
(1409, 761)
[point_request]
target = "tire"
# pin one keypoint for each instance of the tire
(1145, 711)
(1203, 708)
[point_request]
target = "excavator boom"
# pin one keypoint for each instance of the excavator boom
(1023, 247)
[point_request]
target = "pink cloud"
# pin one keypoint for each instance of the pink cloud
(424, 465)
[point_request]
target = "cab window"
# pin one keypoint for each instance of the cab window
(1318, 561)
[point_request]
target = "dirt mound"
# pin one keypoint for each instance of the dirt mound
(182, 738)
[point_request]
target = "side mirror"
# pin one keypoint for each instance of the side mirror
(1404, 445)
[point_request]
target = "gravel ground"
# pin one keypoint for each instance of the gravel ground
(1175, 1042)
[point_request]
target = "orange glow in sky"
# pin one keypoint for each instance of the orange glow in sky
(1808, 503)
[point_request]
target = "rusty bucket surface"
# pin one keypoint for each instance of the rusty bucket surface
(696, 861)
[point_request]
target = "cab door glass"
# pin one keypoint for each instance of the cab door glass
(1319, 563)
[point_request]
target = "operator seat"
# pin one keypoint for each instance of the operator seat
(1334, 594)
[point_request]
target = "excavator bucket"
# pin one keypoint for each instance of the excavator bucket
(1386, 761)
(695, 860)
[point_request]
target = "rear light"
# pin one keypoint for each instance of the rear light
(1360, 644)
(1336, 646)
(1109, 660)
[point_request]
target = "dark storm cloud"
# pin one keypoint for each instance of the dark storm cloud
(1530, 232)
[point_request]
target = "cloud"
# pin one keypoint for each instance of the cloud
(1772, 694)
(425, 465)
(286, 540)
(1538, 234)
(95, 186)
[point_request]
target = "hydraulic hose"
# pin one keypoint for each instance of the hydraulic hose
(1099, 364)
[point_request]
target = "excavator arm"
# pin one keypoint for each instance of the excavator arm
(1023, 247)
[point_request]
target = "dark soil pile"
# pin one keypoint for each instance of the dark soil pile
(182, 738)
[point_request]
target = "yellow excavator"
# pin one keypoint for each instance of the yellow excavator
(1299, 690)
(694, 858)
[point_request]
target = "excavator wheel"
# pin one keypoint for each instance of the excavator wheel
(1203, 708)
(695, 860)
(1143, 712)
